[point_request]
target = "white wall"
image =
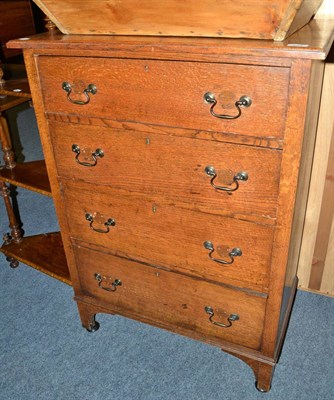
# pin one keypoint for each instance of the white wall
(327, 8)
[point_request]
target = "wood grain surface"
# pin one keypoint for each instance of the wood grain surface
(315, 269)
(174, 168)
(313, 41)
(249, 19)
(160, 232)
(159, 295)
(157, 241)
(173, 95)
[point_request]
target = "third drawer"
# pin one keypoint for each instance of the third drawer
(152, 230)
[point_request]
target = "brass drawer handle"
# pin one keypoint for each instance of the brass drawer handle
(99, 219)
(234, 182)
(230, 319)
(244, 101)
(88, 154)
(236, 252)
(106, 282)
(89, 89)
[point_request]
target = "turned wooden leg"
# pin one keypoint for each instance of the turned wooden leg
(87, 316)
(2, 81)
(15, 230)
(50, 26)
(8, 154)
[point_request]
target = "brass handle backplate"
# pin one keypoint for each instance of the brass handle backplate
(232, 186)
(107, 282)
(230, 319)
(90, 89)
(244, 101)
(90, 156)
(99, 219)
(236, 252)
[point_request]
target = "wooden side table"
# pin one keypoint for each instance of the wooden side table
(6, 103)
(36, 251)
(12, 93)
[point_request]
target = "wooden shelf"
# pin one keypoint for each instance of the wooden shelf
(43, 252)
(16, 87)
(7, 102)
(31, 175)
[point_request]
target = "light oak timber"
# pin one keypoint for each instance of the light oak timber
(327, 282)
(49, 159)
(257, 141)
(147, 291)
(303, 189)
(260, 349)
(318, 230)
(184, 181)
(250, 19)
(321, 171)
(326, 218)
(300, 75)
(311, 42)
(169, 226)
(89, 310)
(304, 169)
(125, 103)
(298, 13)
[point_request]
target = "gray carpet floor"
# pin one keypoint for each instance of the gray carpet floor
(45, 354)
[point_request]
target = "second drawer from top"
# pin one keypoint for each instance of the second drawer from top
(214, 177)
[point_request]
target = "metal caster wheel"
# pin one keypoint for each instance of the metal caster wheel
(13, 263)
(94, 327)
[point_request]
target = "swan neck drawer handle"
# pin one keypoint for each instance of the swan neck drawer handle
(230, 319)
(107, 283)
(87, 154)
(100, 219)
(236, 252)
(90, 89)
(244, 101)
(234, 181)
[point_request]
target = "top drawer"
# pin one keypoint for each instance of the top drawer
(168, 93)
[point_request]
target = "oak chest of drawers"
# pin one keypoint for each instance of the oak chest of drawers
(179, 170)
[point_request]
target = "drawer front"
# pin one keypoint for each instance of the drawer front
(173, 167)
(168, 93)
(157, 232)
(169, 299)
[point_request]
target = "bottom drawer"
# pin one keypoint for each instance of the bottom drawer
(171, 300)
